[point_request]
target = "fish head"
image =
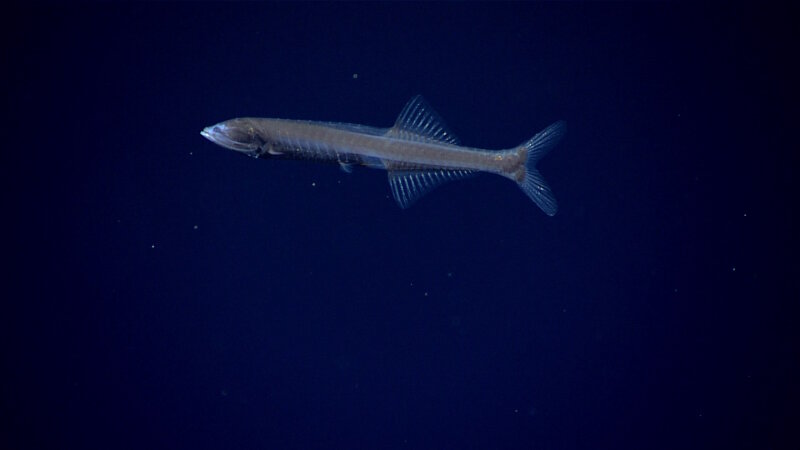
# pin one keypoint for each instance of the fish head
(235, 134)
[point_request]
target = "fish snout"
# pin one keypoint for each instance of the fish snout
(232, 135)
(211, 132)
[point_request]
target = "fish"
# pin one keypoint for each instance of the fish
(418, 152)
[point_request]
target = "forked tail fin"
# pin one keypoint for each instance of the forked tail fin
(532, 182)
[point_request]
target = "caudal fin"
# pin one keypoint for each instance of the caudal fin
(532, 183)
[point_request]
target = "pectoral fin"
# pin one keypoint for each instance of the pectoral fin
(346, 167)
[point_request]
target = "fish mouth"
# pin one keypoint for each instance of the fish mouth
(218, 134)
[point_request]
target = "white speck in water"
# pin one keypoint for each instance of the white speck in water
(194, 227)
(314, 183)
(355, 76)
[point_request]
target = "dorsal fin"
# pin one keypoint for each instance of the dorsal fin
(419, 122)
(409, 185)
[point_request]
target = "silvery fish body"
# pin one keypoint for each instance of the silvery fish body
(418, 152)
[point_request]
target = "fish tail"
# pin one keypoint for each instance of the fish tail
(529, 178)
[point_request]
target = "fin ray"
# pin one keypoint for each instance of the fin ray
(408, 186)
(533, 184)
(419, 122)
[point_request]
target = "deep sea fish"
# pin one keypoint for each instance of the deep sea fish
(418, 152)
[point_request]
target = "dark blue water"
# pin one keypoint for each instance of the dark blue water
(162, 292)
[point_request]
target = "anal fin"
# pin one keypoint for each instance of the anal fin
(408, 186)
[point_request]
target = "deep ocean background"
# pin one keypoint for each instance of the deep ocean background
(162, 292)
